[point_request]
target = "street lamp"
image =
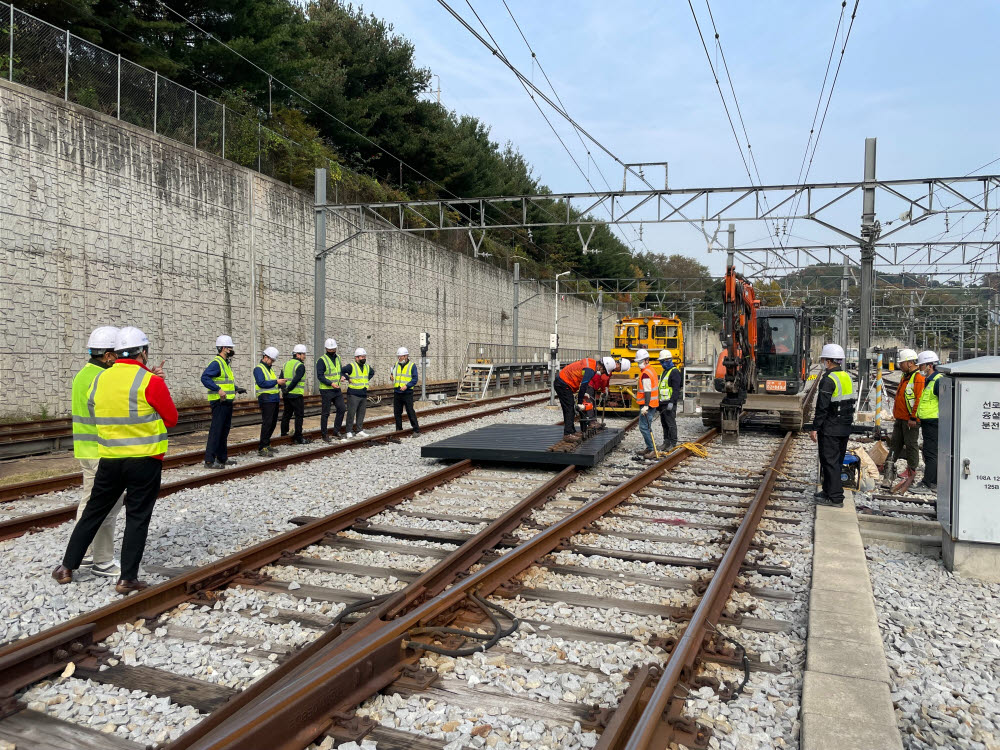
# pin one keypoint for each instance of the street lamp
(554, 348)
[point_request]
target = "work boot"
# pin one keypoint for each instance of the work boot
(650, 455)
(62, 574)
(214, 465)
(127, 587)
(907, 478)
(825, 500)
(327, 439)
(820, 496)
(264, 453)
(573, 437)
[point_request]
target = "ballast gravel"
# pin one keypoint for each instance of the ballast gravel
(942, 644)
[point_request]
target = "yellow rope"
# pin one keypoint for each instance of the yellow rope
(696, 449)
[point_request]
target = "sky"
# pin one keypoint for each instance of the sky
(917, 75)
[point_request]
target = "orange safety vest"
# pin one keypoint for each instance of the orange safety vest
(572, 374)
(654, 385)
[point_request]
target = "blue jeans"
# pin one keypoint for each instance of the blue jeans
(646, 427)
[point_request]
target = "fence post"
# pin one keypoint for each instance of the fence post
(195, 144)
(66, 91)
(118, 108)
(10, 60)
(223, 131)
(156, 96)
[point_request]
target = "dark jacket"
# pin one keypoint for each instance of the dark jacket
(831, 418)
(262, 382)
(321, 370)
(675, 381)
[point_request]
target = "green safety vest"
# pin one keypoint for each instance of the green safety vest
(288, 373)
(332, 371)
(908, 392)
(929, 406)
(360, 375)
(225, 381)
(666, 392)
(401, 374)
(84, 428)
(843, 387)
(268, 374)
(127, 425)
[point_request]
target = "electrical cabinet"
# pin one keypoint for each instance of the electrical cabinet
(969, 451)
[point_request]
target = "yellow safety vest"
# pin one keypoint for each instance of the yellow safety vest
(127, 426)
(360, 376)
(268, 374)
(843, 387)
(666, 392)
(289, 372)
(84, 429)
(929, 406)
(908, 393)
(401, 374)
(332, 372)
(225, 381)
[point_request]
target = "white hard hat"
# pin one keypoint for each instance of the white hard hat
(224, 341)
(609, 363)
(105, 337)
(330, 343)
(927, 358)
(624, 365)
(641, 355)
(131, 339)
(832, 351)
(402, 352)
(906, 355)
(271, 352)
(359, 352)
(299, 349)
(665, 354)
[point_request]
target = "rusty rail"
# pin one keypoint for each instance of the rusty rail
(21, 490)
(299, 700)
(649, 716)
(15, 527)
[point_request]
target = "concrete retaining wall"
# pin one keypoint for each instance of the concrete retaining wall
(106, 223)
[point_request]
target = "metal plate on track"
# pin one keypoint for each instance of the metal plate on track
(524, 443)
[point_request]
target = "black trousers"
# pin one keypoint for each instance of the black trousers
(139, 479)
(217, 448)
(929, 427)
(336, 398)
(294, 404)
(401, 400)
(831, 464)
(567, 400)
(268, 421)
(668, 421)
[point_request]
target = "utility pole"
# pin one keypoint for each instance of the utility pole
(555, 346)
(600, 318)
(844, 279)
(517, 304)
(869, 234)
(961, 337)
(319, 291)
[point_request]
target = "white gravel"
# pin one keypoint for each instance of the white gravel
(942, 643)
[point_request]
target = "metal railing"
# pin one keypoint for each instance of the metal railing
(37, 54)
(505, 354)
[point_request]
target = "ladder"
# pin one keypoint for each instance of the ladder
(475, 382)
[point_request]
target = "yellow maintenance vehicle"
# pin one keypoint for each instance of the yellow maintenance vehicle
(649, 331)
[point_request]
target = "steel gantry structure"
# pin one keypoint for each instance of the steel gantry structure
(909, 201)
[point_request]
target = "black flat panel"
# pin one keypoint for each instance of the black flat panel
(523, 443)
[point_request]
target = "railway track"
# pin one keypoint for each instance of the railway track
(19, 439)
(354, 622)
(26, 522)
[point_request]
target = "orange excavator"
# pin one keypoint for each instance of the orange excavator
(736, 369)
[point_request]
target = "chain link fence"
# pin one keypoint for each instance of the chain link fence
(44, 57)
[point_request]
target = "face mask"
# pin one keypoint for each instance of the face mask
(362, 361)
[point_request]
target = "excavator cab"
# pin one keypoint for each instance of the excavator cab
(783, 343)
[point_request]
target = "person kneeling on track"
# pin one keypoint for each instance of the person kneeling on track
(571, 386)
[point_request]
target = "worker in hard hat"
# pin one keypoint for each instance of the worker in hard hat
(100, 557)
(571, 388)
(267, 386)
(404, 377)
(832, 421)
(647, 395)
(906, 429)
(328, 369)
(357, 374)
(671, 386)
(294, 373)
(132, 408)
(222, 389)
(595, 389)
(928, 411)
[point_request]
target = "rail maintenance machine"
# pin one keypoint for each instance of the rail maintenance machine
(653, 332)
(764, 366)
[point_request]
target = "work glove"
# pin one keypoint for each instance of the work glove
(241, 390)
(644, 410)
(580, 408)
(670, 406)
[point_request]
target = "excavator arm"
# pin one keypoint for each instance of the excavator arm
(736, 370)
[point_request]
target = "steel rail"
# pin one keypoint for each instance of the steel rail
(20, 490)
(15, 527)
(638, 724)
(301, 704)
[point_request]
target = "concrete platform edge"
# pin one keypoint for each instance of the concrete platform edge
(846, 682)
